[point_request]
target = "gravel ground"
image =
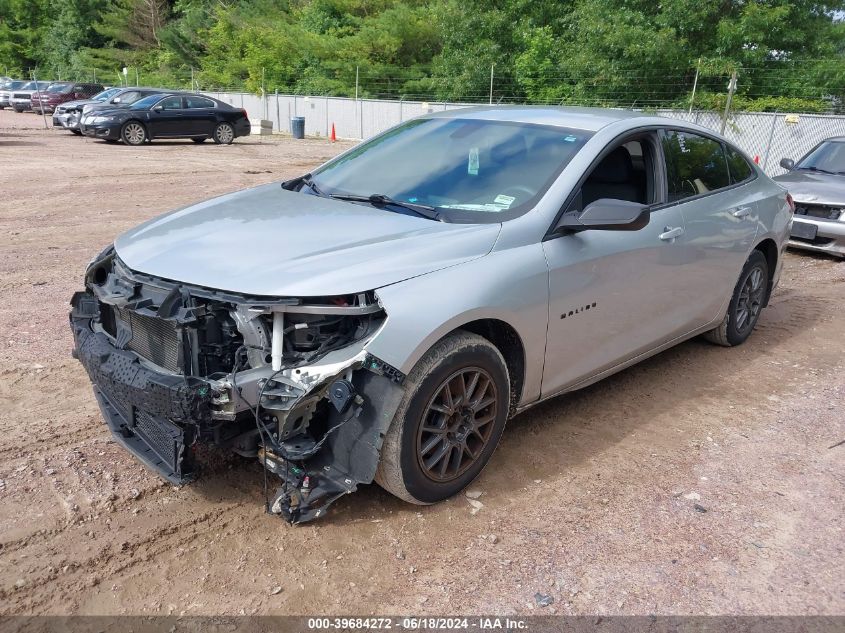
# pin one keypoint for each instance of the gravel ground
(704, 480)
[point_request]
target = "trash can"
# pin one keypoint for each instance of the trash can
(297, 127)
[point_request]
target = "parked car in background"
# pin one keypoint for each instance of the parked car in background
(381, 318)
(170, 115)
(817, 183)
(21, 99)
(61, 92)
(6, 90)
(66, 115)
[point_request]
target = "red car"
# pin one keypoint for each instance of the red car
(60, 92)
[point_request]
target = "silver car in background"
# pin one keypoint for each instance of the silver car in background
(817, 183)
(6, 90)
(20, 99)
(67, 114)
(381, 318)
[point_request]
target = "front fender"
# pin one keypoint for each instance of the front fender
(510, 285)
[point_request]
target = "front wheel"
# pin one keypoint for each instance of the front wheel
(224, 133)
(449, 422)
(133, 133)
(746, 303)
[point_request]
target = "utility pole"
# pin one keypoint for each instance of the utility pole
(731, 90)
(41, 103)
(356, 84)
(491, 83)
(694, 84)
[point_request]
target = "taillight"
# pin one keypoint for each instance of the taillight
(246, 116)
(790, 202)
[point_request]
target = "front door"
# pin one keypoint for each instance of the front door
(613, 294)
(167, 117)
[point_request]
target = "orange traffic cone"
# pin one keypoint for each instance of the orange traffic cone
(334, 136)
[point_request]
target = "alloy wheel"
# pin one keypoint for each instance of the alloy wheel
(134, 133)
(457, 424)
(750, 300)
(225, 134)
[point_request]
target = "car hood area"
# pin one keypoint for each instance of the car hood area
(814, 187)
(267, 241)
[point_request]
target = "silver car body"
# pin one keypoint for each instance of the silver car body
(581, 306)
(819, 223)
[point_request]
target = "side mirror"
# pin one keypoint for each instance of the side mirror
(116, 100)
(606, 214)
(787, 163)
(158, 108)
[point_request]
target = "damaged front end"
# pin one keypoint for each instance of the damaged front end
(288, 381)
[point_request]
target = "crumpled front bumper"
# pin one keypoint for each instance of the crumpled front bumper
(153, 415)
(158, 416)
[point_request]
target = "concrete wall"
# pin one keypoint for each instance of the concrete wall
(767, 136)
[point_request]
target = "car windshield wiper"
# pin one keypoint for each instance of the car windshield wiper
(304, 180)
(818, 169)
(380, 200)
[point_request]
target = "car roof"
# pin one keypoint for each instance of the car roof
(590, 119)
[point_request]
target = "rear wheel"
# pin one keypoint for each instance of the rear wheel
(133, 133)
(77, 132)
(224, 133)
(18, 110)
(449, 422)
(746, 303)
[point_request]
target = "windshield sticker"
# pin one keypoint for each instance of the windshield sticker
(504, 200)
(472, 162)
(570, 138)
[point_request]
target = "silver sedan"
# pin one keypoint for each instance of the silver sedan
(381, 318)
(817, 182)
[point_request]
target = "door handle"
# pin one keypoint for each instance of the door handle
(742, 212)
(670, 233)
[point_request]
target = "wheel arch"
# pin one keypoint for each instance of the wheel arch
(507, 340)
(770, 251)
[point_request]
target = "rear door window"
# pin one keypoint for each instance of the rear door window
(695, 164)
(198, 102)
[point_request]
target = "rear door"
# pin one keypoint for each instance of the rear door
(201, 112)
(719, 207)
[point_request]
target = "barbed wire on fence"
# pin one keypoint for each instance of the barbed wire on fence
(769, 87)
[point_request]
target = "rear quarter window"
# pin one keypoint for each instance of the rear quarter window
(738, 166)
(695, 164)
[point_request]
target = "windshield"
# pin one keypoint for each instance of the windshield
(828, 157)
(59, 88)
(146, 102)
(31, 85)
(105, 94)
(471, 170)
(14, 85)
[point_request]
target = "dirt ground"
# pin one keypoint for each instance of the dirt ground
(705, 480)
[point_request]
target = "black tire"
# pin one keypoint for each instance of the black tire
(198, 139)
(746, 304)
(404, 467)
(224, 133)
(133, 133)
(77, 132)
(18, 110)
